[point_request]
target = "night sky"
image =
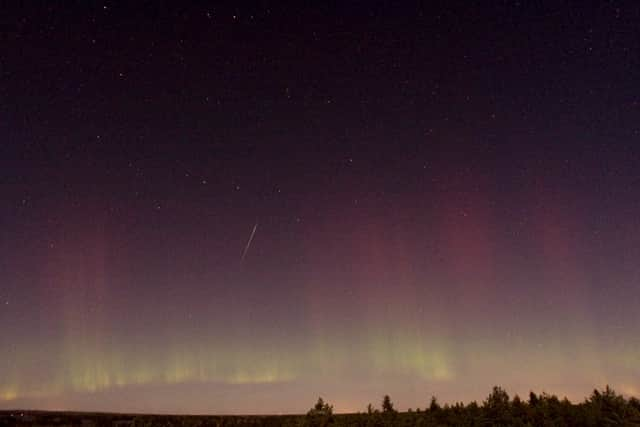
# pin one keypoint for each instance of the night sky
(211, 209)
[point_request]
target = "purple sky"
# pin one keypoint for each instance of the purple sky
(444, 199)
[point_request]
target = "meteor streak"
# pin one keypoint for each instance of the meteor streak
(248, 245)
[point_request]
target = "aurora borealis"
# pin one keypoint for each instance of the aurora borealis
(437, 198)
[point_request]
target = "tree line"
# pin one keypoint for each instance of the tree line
(601, 408)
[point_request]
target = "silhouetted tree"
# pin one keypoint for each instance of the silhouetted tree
(495, 408)
(607, 408)
(320, 415)
(472, 410)
(387, 406)
(433, 405)
(518, 409)
(370, 409)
